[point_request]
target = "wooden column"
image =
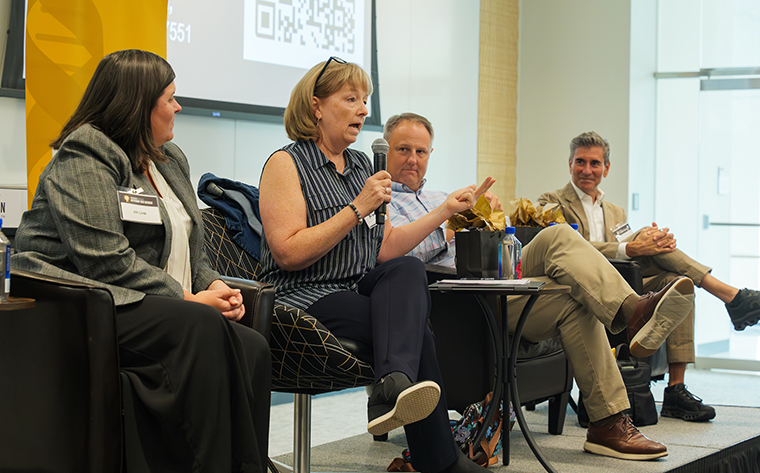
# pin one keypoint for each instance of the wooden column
(497, 95)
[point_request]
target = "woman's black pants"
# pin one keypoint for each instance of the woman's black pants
(197, 389)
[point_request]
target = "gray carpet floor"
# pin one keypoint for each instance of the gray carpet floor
(340, 441)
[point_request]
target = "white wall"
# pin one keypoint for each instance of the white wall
(428, 56)
(573, 77)
(428, 61)
(12, 129)
(12, 142)
(5, 13)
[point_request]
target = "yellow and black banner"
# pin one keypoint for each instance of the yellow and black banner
(65, 40)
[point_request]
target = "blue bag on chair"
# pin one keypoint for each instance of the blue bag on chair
(239, 203)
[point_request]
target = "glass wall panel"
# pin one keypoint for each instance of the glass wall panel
(707, 178)
(678, 36)
(729, 169)
(730, 33)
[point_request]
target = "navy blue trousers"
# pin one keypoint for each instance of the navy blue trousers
(390, 314)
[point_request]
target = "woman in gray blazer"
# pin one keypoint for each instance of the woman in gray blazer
(115, 208)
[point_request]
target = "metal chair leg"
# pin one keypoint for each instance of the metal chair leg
(302, 433)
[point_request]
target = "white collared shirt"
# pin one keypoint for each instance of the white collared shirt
(595, 217)
(178, 264)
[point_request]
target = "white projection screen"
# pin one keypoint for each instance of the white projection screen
(239, 57)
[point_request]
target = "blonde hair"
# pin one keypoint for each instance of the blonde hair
(300, 122)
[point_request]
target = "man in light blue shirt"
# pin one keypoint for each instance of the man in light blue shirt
(410, 139)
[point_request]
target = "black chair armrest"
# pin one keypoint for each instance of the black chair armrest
(27, 281)
(631, 272)
(258, 298)
(436, 273)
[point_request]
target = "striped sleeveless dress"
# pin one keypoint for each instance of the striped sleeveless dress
(326, 193)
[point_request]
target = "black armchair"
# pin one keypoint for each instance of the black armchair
(60, 406)
(60, 396)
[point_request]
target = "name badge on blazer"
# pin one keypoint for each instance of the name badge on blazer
(134, 206)
(622, 231)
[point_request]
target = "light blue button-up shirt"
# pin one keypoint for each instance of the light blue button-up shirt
(407, 206)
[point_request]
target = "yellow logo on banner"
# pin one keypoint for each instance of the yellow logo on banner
(64, 43)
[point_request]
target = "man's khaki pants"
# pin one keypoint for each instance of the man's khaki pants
(561, 255)
(658, 271)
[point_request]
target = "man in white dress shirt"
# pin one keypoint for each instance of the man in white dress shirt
(605, 226)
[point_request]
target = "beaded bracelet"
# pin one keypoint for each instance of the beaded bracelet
(356, 211)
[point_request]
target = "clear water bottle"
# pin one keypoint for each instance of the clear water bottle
(510, 254)
(517, 260)
(5, 264)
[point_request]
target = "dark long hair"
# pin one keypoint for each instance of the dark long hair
(119, 100)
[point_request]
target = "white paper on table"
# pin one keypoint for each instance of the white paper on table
(485, 282)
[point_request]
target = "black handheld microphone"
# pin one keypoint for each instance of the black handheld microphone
(380, 150)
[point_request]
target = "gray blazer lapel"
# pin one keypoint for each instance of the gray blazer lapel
(175, 177)
(177, 180)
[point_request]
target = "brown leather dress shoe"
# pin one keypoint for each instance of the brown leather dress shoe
(621, 439)
(657, 314)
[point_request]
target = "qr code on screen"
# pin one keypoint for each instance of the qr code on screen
(311, 27)
(329, 25)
